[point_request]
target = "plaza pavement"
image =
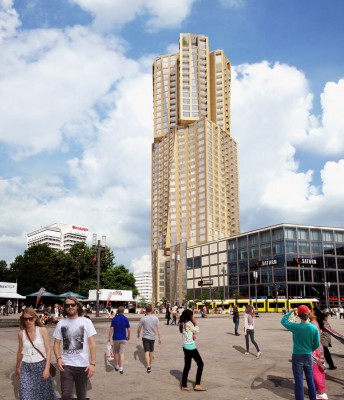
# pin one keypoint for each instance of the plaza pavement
(228, 373)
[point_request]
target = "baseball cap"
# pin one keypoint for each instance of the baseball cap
(302, 310)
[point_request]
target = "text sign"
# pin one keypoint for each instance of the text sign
(266, 263)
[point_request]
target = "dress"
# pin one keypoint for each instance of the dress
(32, 385)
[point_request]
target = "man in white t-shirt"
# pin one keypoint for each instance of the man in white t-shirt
(77, 361)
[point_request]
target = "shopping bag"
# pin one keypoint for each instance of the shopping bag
(109, 352)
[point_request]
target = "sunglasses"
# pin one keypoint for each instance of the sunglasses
(70, 305)
(28, 318)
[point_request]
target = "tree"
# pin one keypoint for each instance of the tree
(236, 294)
(118, 277)
(4, 271)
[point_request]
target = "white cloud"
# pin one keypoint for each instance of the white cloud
(326, 132)
(9, 19)
(140, 265)
(233, 3)
(271, 115)
(109, 14)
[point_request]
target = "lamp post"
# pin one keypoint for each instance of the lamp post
(99, 245)
(223, 270)
(255, 277)
(327, 288)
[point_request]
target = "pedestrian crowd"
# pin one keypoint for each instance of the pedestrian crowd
(74, 347)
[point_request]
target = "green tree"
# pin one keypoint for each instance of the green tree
(35, 269)
(4, 271)
(118, 277)
(236, 294)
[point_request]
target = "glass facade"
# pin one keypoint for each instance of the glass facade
(293, 260)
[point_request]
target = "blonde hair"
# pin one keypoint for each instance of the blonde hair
(33, 314)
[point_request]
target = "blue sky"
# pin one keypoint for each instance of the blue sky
(76, 112)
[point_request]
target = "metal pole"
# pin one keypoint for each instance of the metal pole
(98, 278)
(224, 282)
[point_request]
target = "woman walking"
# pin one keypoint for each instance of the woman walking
(32, 368)
(249, 330)
(189, 330)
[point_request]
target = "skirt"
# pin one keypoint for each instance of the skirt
(32, 385)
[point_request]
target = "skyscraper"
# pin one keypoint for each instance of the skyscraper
(195, 182)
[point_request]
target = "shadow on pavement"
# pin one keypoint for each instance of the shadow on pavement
(274, 383)
(140, 354)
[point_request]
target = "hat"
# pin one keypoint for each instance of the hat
(149, 308)
(302, 310)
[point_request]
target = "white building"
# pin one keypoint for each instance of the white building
(143, 282)
(58, 236)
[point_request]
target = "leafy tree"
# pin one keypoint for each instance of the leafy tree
(118, 277)
(236, 294)
(4, 271)
(205, 295)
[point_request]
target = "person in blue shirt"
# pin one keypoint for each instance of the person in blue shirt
(120, 332)
(306, 339)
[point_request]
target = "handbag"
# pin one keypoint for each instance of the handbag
(52, 368)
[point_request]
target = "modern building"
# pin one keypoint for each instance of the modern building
(195, 182)
(143, 283)
(58, 236)
(288, 260)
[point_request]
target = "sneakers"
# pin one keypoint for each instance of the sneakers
(246, 353)
(259, 354)
(121, 371)
(322, 396)
(149, 370)
(117, 368)
(334, 367)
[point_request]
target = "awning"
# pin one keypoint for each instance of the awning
(5, 295)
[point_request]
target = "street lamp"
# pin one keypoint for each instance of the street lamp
(99, 245)
(223, 270)
(327, 288)
(255, 277)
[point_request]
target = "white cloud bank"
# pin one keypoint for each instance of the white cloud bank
(73, 94)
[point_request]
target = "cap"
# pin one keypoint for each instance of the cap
(302, 310)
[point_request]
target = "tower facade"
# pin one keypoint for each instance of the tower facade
(195, 182)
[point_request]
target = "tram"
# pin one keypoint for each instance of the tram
(260, 305)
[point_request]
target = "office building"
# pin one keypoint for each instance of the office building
(195, 182)
(288, 260)
(143, 283)
(58, 236)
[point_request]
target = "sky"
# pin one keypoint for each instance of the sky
(76, 112)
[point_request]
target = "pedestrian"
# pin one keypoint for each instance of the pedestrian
(325, 336)
(189, 329)
(77, 360)
(318, 363)
(168, 314)
(236, 319)
(174, 316)
(33, 359)
(120, 333)
(341, 312)
(249, 330)
(306, 339)
(150, 328)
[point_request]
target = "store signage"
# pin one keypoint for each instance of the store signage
(79, 228)
(266, 263)
(309, 261)
(208, 282)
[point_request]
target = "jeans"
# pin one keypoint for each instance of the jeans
(72, 375)
(236, 326)
(250, 334)
(303, 363)
(188, 356)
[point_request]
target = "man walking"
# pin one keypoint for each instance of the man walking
(120, 333)
(236, 319)
(306, 339)
(150, 325)
(77, 361)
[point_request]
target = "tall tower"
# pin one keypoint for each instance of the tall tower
(195, 181)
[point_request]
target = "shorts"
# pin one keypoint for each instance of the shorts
(118, 346)
(148, 345)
